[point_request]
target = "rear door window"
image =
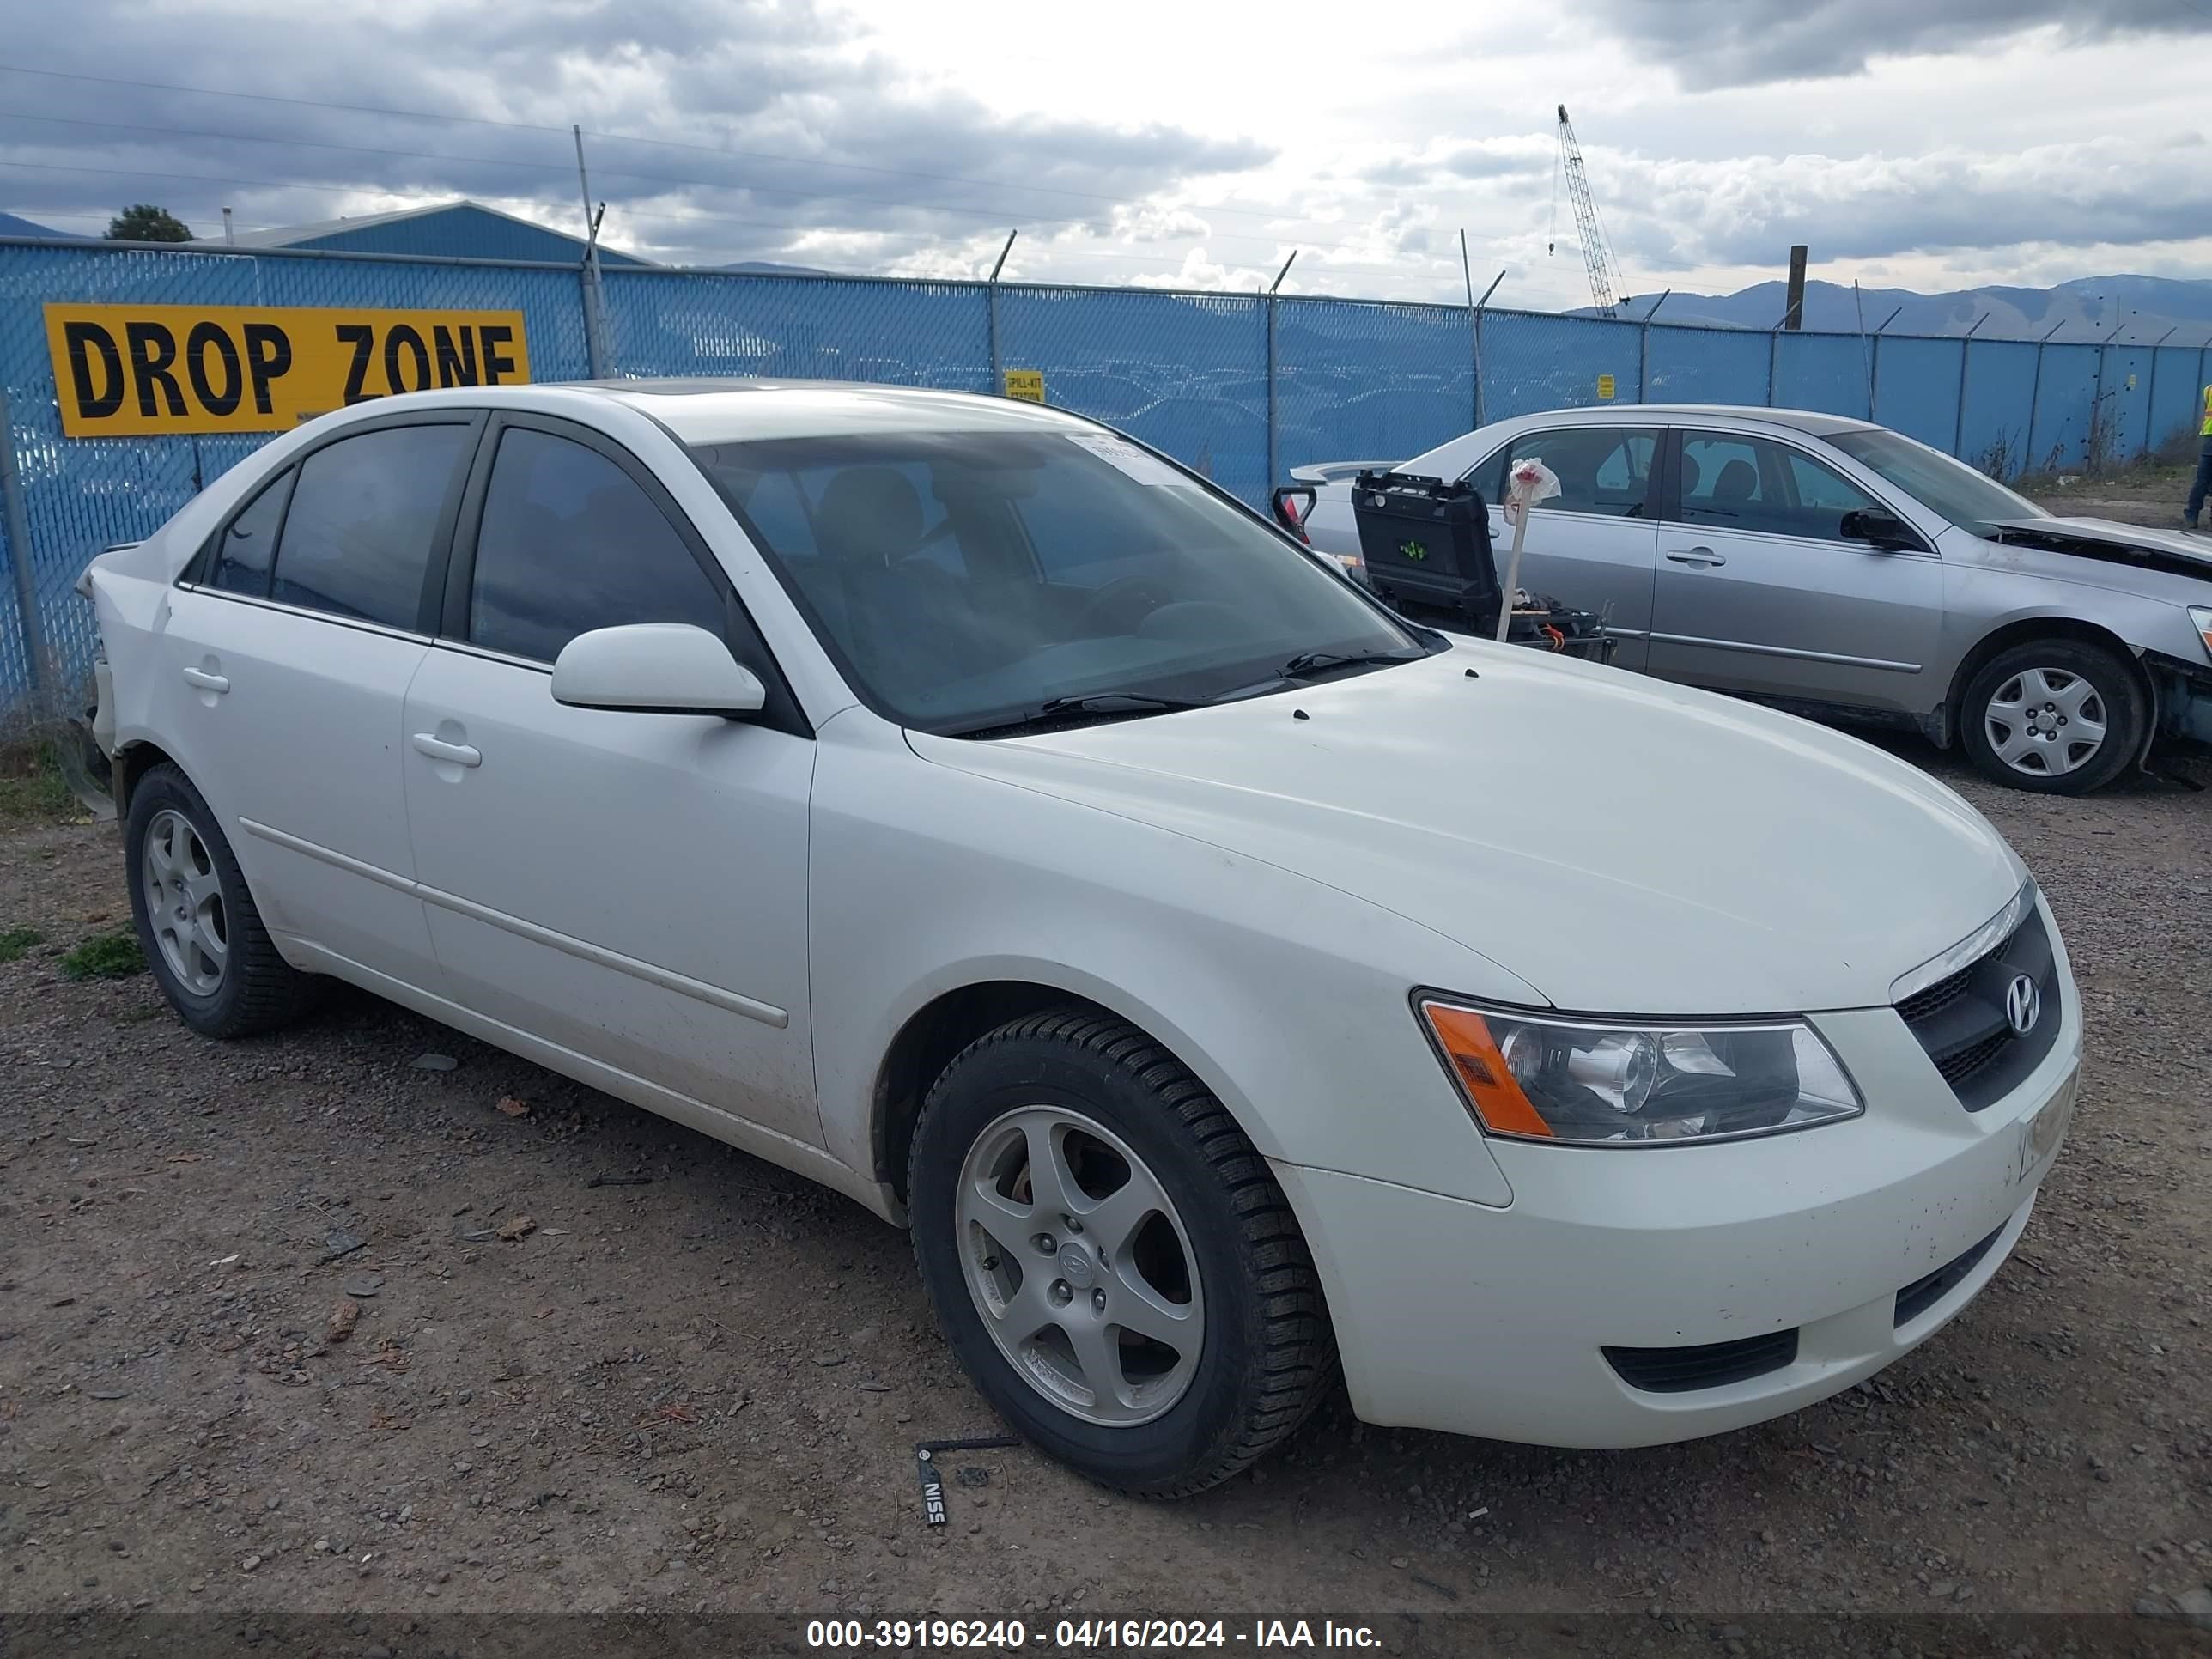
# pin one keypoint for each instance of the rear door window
(568, 542)
(1603, 471)
(247, 551)
(364, 516)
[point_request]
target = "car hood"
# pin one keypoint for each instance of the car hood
(2173, 550)
(1620, 844)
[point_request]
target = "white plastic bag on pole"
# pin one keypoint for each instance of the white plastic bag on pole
(1528, 482)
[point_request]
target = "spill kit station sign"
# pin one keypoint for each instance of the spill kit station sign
(133, 371)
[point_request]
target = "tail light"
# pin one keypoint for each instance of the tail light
(1292, 503)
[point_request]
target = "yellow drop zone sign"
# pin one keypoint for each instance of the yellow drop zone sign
(128, 371)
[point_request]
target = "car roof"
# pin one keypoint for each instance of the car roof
(1816, 422)
(702, 410)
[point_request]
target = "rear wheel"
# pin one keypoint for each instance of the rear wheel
(2060, 717)
(196, 922)
(1111, 1260)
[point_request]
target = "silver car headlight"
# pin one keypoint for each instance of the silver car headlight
(1592, 1083)
(2200, 617)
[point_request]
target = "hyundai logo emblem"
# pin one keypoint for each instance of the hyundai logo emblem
(2023, 1004)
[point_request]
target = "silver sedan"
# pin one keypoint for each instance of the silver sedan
(1843, 570)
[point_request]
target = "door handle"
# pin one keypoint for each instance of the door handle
(459, 754)
(1699, 555)
(205, 681)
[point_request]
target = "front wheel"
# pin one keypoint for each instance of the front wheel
(1111, 1260)
(2060, 717)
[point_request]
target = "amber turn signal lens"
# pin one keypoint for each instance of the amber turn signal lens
(1491, 1090)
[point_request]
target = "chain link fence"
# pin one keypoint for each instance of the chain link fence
(1241, 387)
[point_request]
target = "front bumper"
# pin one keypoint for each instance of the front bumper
(1494, 1321)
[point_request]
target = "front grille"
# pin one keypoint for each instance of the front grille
(1921, 1294)
(1962, 1064)
(1961, 1021)
(1708, 1365)
(1925, 1005)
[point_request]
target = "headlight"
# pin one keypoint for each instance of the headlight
(2201, 616)
(1582, 1083)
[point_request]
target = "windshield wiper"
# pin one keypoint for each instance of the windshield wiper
(1110, 703)
(1307, 661)
(1098, 705)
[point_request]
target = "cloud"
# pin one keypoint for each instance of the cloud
(1726, 43)
(776, 121)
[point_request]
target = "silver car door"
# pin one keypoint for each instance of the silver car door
(1594, 544)
(1760, 591)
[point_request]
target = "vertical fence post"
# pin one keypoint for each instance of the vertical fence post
(1773, 361)
(991, 316)
(1958, 423)
(2034, 398)
(595, 316)
(2150, 401)
(1273, 426)
(1479, 306)
(43, 701)
(1643, 361)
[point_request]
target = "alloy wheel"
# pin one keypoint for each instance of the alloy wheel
(2045, 722)
(1081, 1268)
(183, 904)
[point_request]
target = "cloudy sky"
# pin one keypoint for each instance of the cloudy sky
(1926, 143)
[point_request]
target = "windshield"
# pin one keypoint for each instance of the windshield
(964, 579)
(1952, 488)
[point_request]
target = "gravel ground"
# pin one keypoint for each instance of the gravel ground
(702, 1391)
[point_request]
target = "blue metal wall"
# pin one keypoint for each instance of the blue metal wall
(1240, 386)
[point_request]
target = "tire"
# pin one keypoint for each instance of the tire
(2023, 710)
(203, 903)
(1193, 1414)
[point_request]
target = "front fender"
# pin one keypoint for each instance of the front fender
(1286, 998)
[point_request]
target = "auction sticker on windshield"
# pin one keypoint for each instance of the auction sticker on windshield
(1121, 454)
(132, 370)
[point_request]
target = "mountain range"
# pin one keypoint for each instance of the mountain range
(2089, 308)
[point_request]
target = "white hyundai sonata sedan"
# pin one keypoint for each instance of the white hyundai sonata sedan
(1225, 979)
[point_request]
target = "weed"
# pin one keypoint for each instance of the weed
(113, 955)
(15, 941)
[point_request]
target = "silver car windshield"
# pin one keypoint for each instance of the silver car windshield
(1966, 497)
(965, 581)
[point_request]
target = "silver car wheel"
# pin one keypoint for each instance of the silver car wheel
(183, 904)
(2045, 722)
(1079, 1264)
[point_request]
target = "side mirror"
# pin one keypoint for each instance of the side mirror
(1883, 529)
(655, 668)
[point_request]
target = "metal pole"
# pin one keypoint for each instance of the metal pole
(1644, 350)
(2035, 396)
(44, 700)
(1866, 361)
(1958, 423)
(1773, 360)
(1479, 305)
(991, 300)
(595, 322)
(1273, 429)
(2150, 402)
(1474, 353)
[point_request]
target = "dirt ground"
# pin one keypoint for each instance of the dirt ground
(2145, 494)
(701, 1392)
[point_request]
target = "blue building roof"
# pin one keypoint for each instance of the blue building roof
(15, 225)
(453, 230)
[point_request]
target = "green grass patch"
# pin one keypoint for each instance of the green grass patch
(111, 954)
(17, 940)
(33, 789)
